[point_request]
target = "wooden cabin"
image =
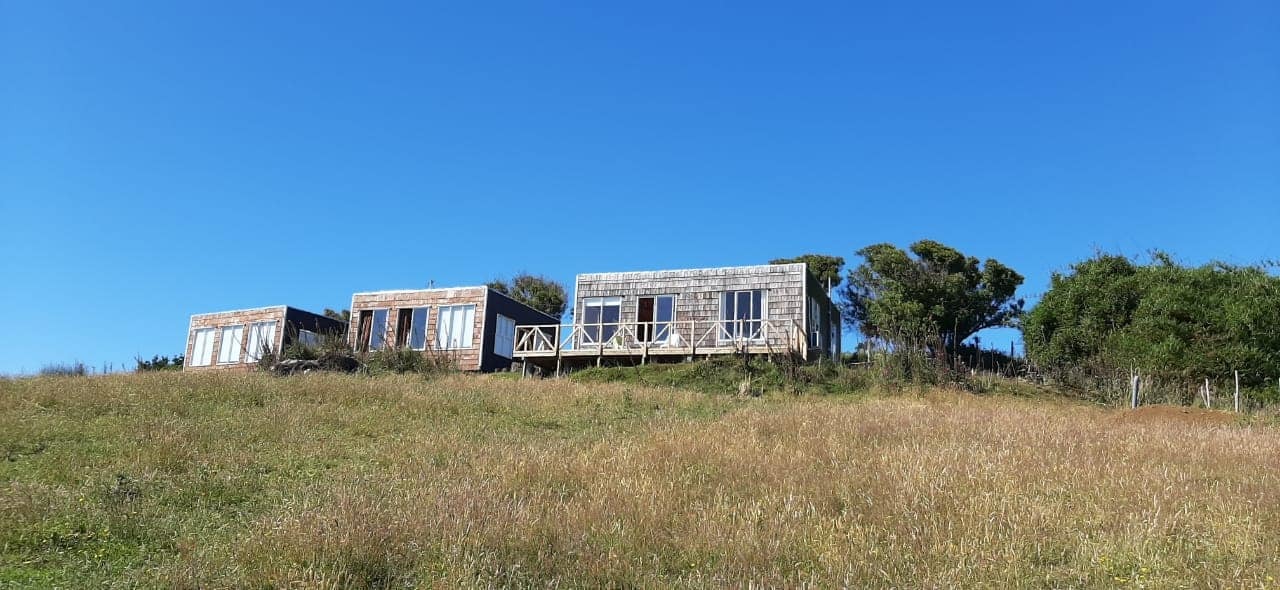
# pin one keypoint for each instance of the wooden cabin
(672, 315)
(237, 339)
(472, 327)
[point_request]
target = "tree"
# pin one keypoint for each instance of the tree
(826, 268)
(160, 363)
(1110, 313)
(939, 296)
(342, 316)
(538, 292)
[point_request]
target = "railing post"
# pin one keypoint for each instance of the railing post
(557, 337)
(644, 358)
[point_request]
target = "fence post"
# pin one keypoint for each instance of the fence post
(1133, 390)
(1237, 392)
(1208, 401)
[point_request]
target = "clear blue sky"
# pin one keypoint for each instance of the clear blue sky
(159, 159)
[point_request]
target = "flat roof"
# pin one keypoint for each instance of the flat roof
(424, 289)
(705, 269)
(246, 310)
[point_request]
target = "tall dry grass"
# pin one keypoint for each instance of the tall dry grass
(341, 481)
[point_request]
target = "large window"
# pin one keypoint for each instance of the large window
(202, 348)
(232, 342)
(308, 338)
(600, 316)
(653, 318)
(742, 313)
(815, 323)
(262, 336)
(454, 327)
(377, 329)
(504, 337)
(418, 329)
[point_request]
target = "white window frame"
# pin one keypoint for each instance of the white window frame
(671, 338)
(815, 323)
(425, 312)
(235, 356)
(448, 340)
(763, 319)
(254, 348)
(381, 333)
(835, 354)
(196, 360)
(308, 338)
(504, 339)
(600, 326)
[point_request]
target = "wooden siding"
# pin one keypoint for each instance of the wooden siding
(698, 291)
(240, 317)
(467, 359)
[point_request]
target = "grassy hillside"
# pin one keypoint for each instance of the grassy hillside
(166, 480)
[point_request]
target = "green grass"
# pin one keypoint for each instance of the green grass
(726, 375)
(621, 478)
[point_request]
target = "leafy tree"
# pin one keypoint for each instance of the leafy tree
(537, 292)
(826, 268)
(160, 363)
(938, 296)
(1168, 320)
(342, 316)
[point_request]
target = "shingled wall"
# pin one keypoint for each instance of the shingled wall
(698, 291)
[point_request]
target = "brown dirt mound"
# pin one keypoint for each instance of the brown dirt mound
(1165, 414)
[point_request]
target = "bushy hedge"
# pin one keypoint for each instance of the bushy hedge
(1166, 320)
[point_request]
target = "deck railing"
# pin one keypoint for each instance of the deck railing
(644, 337)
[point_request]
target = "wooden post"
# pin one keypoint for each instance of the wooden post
(1237, 391)
(1208, 401)
(558, 341)
(1133, 390)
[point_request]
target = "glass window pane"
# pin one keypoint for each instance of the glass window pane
(262, 336)
(665, 308)
(418, 328)
(456, 326)
(308, 338)
(504, 337)
(442, 328)
(202, 348)
(232, 342)
(611, 313)
(378, 330)
(726, 314)
(467, 325)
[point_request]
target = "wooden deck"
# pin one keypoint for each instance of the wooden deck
(557, 346)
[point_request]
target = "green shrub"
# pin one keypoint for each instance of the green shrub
(406, 360)
(160, 363)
